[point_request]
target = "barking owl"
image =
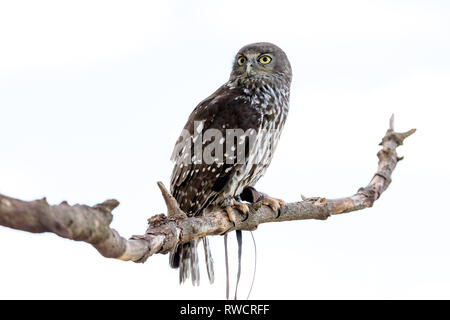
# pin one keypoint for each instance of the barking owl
(242, 121)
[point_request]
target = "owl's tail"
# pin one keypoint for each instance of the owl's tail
(185, 258)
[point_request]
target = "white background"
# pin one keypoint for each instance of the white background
(93, 95)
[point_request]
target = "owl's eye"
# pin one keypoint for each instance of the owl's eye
(241, 60)
(265, 59)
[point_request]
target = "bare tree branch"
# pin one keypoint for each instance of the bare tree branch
(92, 224)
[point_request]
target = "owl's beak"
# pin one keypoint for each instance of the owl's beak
(249, 69)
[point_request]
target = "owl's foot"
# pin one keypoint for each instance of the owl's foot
(240, 207)
(276, 205)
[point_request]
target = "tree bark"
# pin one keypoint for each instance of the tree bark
(92, 224)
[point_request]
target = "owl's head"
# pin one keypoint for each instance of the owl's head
(261, 60)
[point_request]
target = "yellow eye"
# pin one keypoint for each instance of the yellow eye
(265, 59)
(241, 60)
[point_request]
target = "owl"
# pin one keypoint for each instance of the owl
(228, 143)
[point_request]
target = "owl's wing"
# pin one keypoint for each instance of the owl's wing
(196, 184)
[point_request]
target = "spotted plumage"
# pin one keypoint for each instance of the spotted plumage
(255, 100)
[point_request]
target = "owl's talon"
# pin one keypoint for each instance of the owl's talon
(241, 208)
(276, 205)
(231, 214)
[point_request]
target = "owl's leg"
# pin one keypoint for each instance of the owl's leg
(250, 194)
(232, 206)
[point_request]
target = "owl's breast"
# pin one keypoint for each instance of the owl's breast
(274, 104)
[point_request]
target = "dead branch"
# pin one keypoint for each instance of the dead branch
(92, 224)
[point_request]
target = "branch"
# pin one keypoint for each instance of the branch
(92, 224)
